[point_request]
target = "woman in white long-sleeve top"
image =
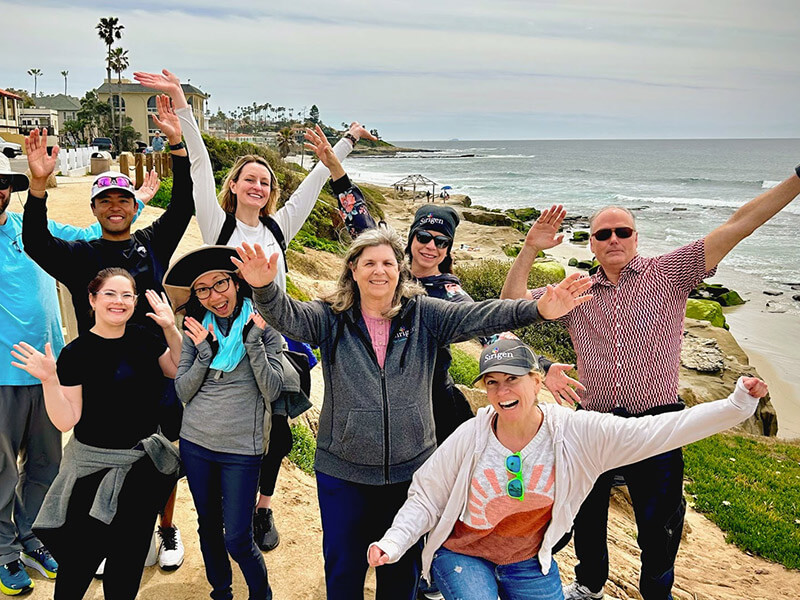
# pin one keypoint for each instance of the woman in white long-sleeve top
(505, 486)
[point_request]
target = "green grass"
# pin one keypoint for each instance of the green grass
(464, 369)
(303, 448)
(751, 489)
(295, 292)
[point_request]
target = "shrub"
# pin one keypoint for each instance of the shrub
(295, 292)
(464, 369)
(164, 194)
(303, 448)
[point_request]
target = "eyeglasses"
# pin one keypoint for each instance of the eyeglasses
(121, 181)
(622, 233)
(441, 241)
(515, 487)
(124, 297)
(220, 286)
(5, 182)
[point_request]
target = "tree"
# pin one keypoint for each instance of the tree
(94, 116)
(64, 75)
(27, 100)
(108, 30)
(119, 62)
(375, 133)
(35, 73)
(285, 138)
(313, 114)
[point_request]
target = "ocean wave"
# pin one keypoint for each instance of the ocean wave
(767, 184)
(506, 156)
(702, 202)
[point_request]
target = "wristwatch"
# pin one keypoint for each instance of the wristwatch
(797, 170)
(351, 137)
(179, 146)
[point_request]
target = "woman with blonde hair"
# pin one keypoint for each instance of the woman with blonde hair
(378, 334)
(245, 211)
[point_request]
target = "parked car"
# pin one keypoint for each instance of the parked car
(104, 143)
(10, 149)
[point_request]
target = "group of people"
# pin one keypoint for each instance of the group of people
(408, 480)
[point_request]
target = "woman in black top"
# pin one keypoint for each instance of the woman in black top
(117, 470)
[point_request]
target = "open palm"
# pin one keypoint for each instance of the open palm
(40, 163)
(41, 366)
(560, 299)
(543, 233)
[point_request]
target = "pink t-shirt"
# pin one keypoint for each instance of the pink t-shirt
(379, 330)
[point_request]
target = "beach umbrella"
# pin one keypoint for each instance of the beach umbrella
(447, 187)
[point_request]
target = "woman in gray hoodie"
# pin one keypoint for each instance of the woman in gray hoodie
(378, 335)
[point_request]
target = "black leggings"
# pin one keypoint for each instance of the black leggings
(83, 542)
(280, 444)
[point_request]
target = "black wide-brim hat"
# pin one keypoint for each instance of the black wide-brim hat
(191, 266)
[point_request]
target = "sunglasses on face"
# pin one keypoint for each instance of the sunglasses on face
(219, 286)
(440, 241)
(120, 181)
(515, 487)
(5, 183)
(622, 233)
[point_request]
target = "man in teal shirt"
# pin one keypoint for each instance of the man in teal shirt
(29, 311)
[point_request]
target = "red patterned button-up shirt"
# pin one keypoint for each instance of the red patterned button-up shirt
(628, 338)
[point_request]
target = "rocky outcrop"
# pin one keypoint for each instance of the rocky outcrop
(580, 236)
(706, 310)
(711, 362)
(550, 269)
(486, 218)
(718, 293)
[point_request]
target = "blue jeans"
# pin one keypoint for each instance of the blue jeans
(462, 577)
(656, 488)
(224, 489)
(353, 516)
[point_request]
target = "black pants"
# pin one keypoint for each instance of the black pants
(80, 545)
(280, 444)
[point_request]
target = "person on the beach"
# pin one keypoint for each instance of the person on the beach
(158, 142)
(628, 346)
(229, 374)
(145, 254)
(504, 488)
(245, 211)
(28, 310)
(379, 336)
(118, 470)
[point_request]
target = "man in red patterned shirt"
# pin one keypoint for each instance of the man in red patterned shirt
(628, 343)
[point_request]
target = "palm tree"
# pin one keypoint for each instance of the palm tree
(108, 30)
(285, 138)
(64, 75)
(119, 63)
(35, 73)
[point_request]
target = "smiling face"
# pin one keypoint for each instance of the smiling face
(253, 186)
(614, 253)
(114, 302)
(114, 211)
(376, 272)
(513, 397)
(221, 303)
(425, 258)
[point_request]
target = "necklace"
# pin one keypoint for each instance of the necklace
(13, 241)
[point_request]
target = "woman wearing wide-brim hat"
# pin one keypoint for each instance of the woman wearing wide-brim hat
(230, 372)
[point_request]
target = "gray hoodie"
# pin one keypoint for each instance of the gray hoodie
(376, 425)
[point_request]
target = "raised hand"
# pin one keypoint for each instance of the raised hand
(560, 299)
(39, 162)
(196, 332)
(41, 366)
(561, 385)
(258, 321)
(319, 145)
(755, 387)
(255, 268)
(543, 234)
(162, 311)
(167, 120)
(149, 187)
(163, 82)
(358, 131)
(376, 557)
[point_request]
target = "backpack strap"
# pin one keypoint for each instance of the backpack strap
(273, 226)
(227, 230)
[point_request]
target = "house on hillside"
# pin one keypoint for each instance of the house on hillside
(66, 106)
(139, 103)
(10, 107)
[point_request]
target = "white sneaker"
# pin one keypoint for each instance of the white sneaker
(576, 591)
(170, 556)
(152, 553)
(100, 570)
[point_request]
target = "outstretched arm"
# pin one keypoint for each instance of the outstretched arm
(748, 218)
(542, 235)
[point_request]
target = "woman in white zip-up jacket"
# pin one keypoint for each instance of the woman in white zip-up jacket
(499, 493)
(246, 212)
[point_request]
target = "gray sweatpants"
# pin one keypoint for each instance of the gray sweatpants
(27, 434)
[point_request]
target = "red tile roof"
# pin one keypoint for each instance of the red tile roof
(9, 94)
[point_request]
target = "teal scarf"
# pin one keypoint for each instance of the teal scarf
(231, 346)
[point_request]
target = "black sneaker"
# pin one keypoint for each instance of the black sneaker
(264, 531)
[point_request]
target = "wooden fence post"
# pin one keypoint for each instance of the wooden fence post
(139, 158)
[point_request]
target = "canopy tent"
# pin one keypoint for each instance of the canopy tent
(413, 180)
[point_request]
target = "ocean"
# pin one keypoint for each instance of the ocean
(706, 179)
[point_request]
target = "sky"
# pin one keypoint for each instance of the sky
(444, 69)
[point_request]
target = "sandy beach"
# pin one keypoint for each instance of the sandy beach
(707, 567)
